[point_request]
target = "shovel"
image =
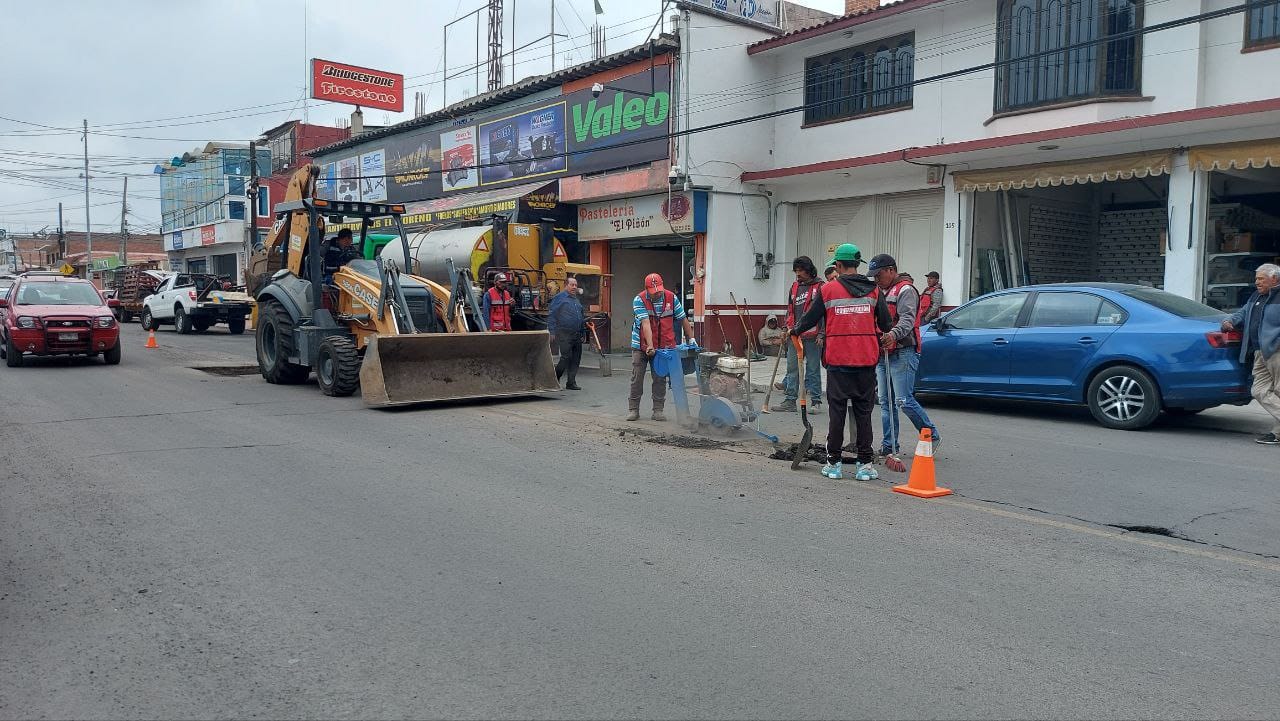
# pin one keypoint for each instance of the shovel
(606, 368)
(802, 450)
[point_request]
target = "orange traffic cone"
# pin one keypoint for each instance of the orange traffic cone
(921, 482)
(151, 340)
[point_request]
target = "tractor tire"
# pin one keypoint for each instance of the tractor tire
(181, 321)
(235, 326)
(338, 366)
(112, 355)
(275, 344)
(12, 356)
(148, 321)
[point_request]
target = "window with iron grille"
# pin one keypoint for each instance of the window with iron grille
(281, 148)
(867, 79)
(1262, 23)
(1031, 74)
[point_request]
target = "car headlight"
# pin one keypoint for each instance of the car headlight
(26, 321)
(104, 321)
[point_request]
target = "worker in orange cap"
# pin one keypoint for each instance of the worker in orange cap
(498, 303)
(656, 310)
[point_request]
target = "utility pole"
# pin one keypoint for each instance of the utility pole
(495, 44)
(124, 224)
(88, 229)
(62, 236)
(252, 192)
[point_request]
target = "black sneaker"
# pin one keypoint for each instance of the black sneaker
(574, 387)
(1268, 440)
(784, 407)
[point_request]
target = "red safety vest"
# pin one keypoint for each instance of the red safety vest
(891, 299)
(852, 336)
(500, 309)
(798, 304)
(663, 324)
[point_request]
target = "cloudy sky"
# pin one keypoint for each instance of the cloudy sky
(155, 78)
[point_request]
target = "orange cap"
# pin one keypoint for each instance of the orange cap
(653, 282)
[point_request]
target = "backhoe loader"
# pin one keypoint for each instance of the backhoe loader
(399, 337)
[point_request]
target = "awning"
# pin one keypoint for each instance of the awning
(1094, 170)
(469, 206)
(1255, 154)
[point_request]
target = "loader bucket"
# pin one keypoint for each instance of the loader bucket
(425, 367)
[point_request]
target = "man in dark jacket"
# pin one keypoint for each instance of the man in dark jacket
(1259, 322)
(565, 323)
(856, 314)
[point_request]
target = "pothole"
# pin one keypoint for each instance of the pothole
(228, 370)
(1153, 530)
(664, 439)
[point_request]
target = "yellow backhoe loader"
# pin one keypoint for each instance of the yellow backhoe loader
(399, 337)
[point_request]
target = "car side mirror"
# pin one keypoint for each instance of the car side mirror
(113, 303)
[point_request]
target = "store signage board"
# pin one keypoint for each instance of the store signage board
(646, 216)
(756, 12)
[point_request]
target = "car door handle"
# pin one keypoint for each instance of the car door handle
(1000, 341)
(1086, 341)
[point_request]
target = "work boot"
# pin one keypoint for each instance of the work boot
(787, 406)
(658, 415)
(573, 386)
(780, 386)
(633, 415)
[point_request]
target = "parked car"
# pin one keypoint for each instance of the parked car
(1125, 351)
(51, 314)
(195, 301)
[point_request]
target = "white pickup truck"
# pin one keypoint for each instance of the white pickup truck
(194, 302)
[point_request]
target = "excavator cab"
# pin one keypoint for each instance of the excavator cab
(374, 325)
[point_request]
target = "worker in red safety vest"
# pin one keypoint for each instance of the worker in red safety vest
(804, 291)
(656, 310)
(855, 315)
(498, 303)
(896, 370)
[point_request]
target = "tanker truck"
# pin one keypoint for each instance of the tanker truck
(531, 256)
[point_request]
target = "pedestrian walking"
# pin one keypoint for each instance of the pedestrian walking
(805, 291)
(498, 302)
(856, 315)
(1259, 322)
(656, 309)
(566, 322)
(899, 360)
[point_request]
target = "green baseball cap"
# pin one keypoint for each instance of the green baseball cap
(846, 253)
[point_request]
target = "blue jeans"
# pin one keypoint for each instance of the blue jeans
(812, 371)
(896, 384)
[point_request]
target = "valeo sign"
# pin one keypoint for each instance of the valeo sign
(596, 120)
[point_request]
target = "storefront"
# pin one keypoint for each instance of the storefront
(217, 248)
(1094, 220)
(1242, 220)
(632, 237)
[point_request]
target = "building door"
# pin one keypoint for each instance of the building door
(197, 265)
(225, 266)
(907, 226)
(631, 261)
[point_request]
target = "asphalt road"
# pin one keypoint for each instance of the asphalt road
(181, 544)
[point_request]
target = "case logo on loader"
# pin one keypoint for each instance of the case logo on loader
(360, 292)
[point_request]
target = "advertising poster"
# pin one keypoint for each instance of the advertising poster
(208, 235)
(354, 85)
(373, 181)
(527, 145)
(458, 159)
(326, 187)
(348, 179)
(410, 161)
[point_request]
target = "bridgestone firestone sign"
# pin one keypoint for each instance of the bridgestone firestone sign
(355, 85)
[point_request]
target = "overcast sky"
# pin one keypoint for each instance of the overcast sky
(174, 75)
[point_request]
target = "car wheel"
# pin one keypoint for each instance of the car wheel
(181, 321)
(12, 356)
(275, 344)
(1124, 398)
(235, 326)
(338, 366)
(112, 355)
(200, 325)
(148, 320)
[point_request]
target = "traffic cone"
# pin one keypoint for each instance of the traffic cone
(151, 340)
(921, 483)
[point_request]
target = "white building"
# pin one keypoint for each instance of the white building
(1039, 155)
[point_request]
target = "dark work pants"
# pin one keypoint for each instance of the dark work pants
(856, 388)
(570, 357)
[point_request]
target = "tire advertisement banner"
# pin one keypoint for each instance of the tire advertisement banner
(579, 132)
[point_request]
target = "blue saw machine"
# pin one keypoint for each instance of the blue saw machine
(719, 413)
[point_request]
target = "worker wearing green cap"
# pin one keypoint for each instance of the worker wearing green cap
(856, 315)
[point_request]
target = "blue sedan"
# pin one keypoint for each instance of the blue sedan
(1125, 351)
